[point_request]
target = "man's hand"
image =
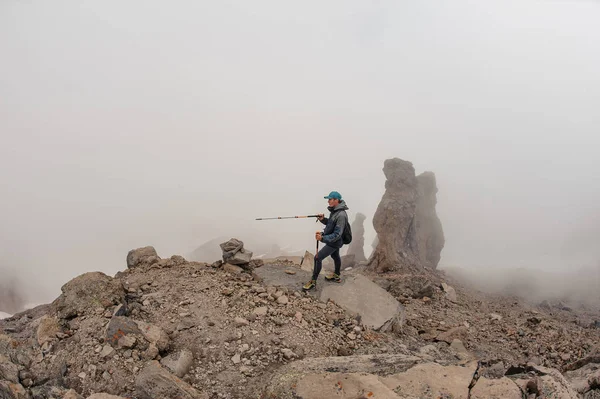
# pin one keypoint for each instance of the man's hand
(318, 236)
(320, 216)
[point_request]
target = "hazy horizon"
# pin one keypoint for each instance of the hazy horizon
(150, 123)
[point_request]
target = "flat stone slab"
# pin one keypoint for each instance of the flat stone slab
(356, 293)
(375, 306)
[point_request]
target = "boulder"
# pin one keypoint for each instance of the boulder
(375, 306)
(155, 382)
(357, 245)
(142, 256)
(430, 235)
(104, 396)
(394, 221)
(88, 292)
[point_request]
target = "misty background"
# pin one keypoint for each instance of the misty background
(125, 124)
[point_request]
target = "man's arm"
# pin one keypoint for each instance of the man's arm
(337, 231)
(323, 219)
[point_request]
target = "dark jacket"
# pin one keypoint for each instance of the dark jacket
(334, 225)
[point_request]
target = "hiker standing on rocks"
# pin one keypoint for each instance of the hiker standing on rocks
(331, 236)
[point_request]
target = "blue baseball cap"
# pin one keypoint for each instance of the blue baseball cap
(334, 195)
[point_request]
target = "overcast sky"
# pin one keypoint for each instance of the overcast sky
(135, 123)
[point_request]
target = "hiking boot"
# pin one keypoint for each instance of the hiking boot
(310, 285)
(335, 278)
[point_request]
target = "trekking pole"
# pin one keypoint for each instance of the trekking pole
(289, 217)
(317, 253)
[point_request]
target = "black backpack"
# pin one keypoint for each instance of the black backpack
(347, 234)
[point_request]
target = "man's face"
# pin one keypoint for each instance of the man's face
(333, 202)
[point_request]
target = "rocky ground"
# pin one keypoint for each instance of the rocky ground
(168, 328)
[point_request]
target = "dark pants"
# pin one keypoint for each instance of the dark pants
(323, 253)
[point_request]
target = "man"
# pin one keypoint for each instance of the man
(331, 237)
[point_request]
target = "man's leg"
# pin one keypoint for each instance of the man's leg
(323, 253)
(337, 261)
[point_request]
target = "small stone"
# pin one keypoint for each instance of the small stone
(277, 294)
(283, 300)
(290, 271)
(357, 329)
(232, 269)
(298, 317)
(288, 353)
(126, 342)
(227, 291)
(107, 350)
(81, 375)
(495, 317)
(240, 321)
(236, 358)
(106, 375)
(351, 336)
(151, 353)
(261, 311)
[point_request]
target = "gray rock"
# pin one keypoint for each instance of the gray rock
(375, 306)
(240, 321)
(283, 300)
(155, 382)
(394, 221)
(118, 327)
(141, 256)
(106, 351)
(8, 370)
(179, 363)
(127, 342)
(261, 311)
(234, 252)
(88, 292)
(154, 335)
